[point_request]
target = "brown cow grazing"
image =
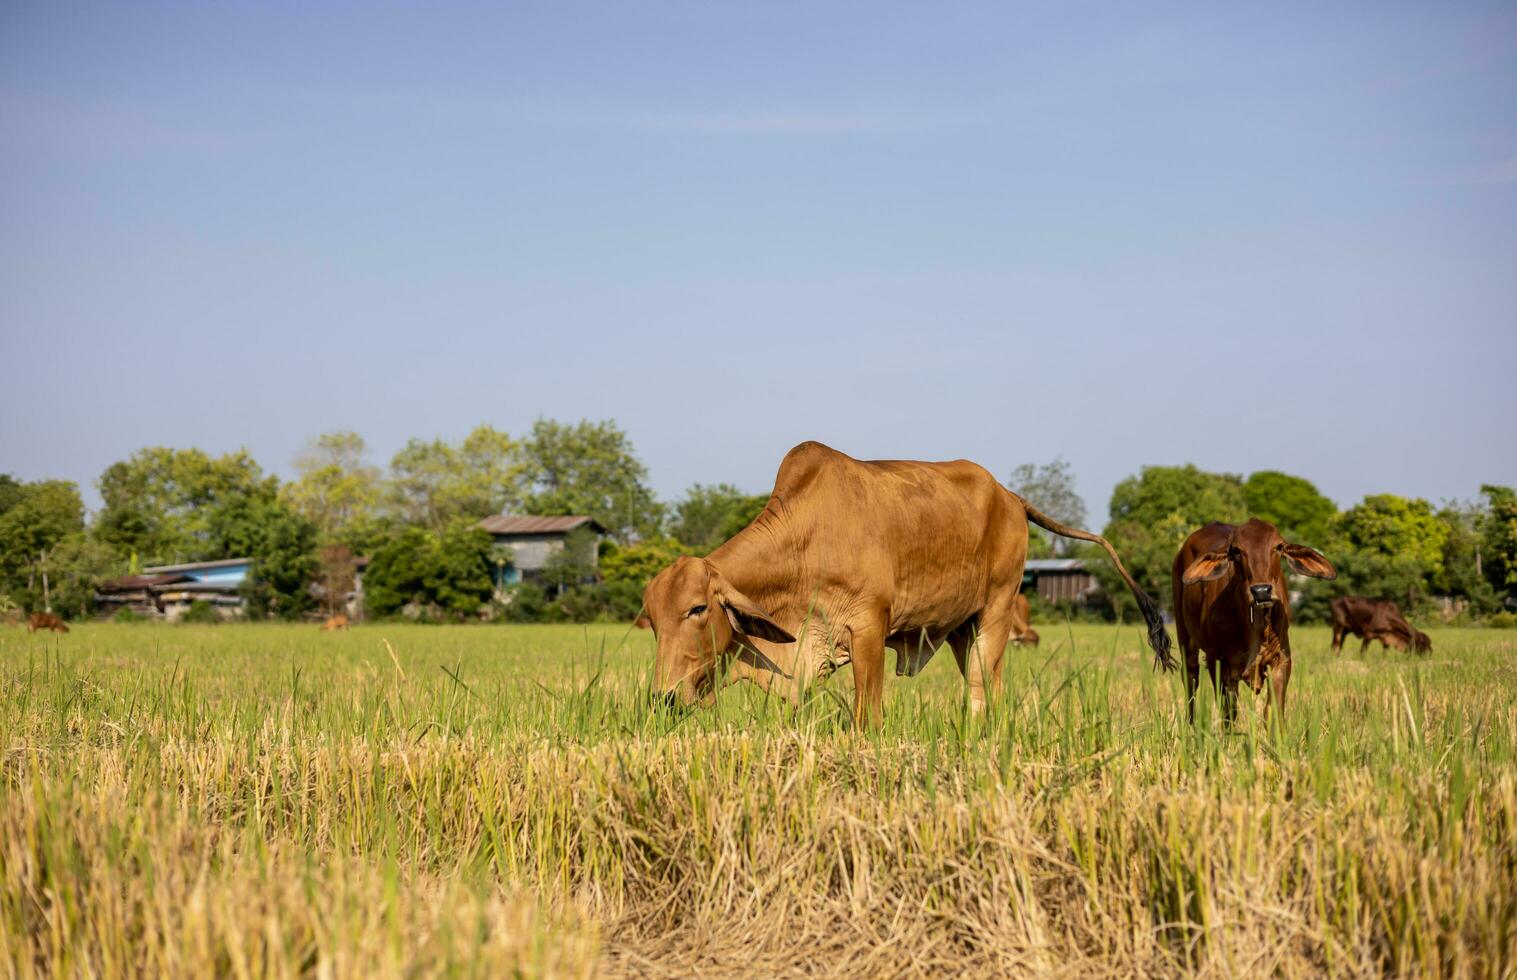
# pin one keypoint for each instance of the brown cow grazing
(333, 623)
(45, 621)
(1231, 601)
(1375, 619)
(1022, 633)
(850, 557)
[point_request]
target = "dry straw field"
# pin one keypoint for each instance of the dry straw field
(477, 801)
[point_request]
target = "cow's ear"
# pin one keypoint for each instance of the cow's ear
(1305, 561)
(747, 618)
(1212, 565)
(642, 622)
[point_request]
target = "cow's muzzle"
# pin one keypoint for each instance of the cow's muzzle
(1263, 595)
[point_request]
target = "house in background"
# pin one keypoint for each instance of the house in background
(166, 591)
(1058, 579)
(524, 544)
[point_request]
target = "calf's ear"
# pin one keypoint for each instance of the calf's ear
(1212, 565)
(747, 618)
(1305, 561)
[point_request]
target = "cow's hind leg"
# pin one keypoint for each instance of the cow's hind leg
(980, 649)
(1192, 655)
(868, 654)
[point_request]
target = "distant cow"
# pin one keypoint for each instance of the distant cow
(1231, 601)
(45, 621)
(334, 623)
(850, 558)
(1375, 619)
(1022, 633)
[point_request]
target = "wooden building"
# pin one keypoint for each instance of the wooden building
(524, 544)
(1058, 579)
(166, 591)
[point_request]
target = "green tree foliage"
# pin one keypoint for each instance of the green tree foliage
(75, 565)
(336, 489)
(1397, 528)
(1293, 504)
(158, 502)
(1051, 489)
(1463, 576)
(34, 519)
(590, 468)
(1151, 516)
(636, 564)
(434, 484)
(448, 571)
(1498, 543)
(282, 544)
(709, 514)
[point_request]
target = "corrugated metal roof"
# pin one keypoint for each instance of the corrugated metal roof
(1055, 565)
(524, 524)
(195, 566)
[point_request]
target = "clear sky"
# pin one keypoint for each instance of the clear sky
(1276, 236)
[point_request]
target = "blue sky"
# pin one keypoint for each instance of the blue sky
(1281, 237)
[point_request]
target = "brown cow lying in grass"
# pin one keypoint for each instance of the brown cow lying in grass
(1231, 601)
(333, 623)
(849, 558)
(1375, 619)
(45, 621)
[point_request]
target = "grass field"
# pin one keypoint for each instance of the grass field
(399, 800)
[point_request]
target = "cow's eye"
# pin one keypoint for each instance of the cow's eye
(696, 610)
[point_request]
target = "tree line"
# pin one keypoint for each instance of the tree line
(415, 521)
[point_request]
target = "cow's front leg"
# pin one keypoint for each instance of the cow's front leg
(1279, 679)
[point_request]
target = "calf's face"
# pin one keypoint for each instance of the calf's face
(698, 616)
(1252, 556)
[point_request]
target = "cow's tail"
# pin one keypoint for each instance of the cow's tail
(1158, 638)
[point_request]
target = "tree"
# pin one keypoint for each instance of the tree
(573, 564)
(158, 501)
(1463, 559)
(34, 518)
(75, 566)
(590, 468)
(449, 571)
(1051, 489)
(336, 489)
(434, 484)
(636, 564)
(710, 514)
(1498, 538)
(1151, 516)
(337, 576)
(1293, 505)
(282, 544)
(1392, 547)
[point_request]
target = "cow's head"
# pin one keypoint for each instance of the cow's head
(698, 617)
(1252, 555)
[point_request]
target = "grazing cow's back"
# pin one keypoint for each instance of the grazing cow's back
(1231, 601)
(45, 621)
(850, 557)
(1375, 619)
(337, 622)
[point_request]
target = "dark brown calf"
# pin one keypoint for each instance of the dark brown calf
(45, 621)
(1375, 619)
(1231, 601)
